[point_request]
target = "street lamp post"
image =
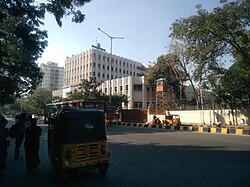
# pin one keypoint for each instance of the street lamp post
(110, 72)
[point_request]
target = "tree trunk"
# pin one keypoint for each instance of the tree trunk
(191, 82)
(232, 111)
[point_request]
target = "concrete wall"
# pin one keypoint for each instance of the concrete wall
(208, 117)
(134, 115)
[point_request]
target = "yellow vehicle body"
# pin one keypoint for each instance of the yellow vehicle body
(172, 119)
(73, 156)
(77, 139)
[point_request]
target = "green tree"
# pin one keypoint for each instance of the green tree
(233, 89)
(38, 100)
(57, 99)
(224, 30)
(34, 103)
(208, 36)
(168, 67)
(117, 101)
(61, 8)
(213, 70)
(14, 108)
(22, 42)
(88, 89)
(179, 50)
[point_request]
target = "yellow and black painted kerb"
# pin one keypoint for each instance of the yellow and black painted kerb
(213, 129)
(200, 129)
(170, 127)
(224, 130)
(206, 129)
(159, 126)
(239, 131)
(221, 130)
(232, 130)
(181, 128)
(246, 132)
(134, 125)
(242, 131)
(129, 124)
(156, 126)
(218, 130)
(203, 129)
(153, 126)
(195, 128)
(190, 128)
(140, 124)
(185, 128)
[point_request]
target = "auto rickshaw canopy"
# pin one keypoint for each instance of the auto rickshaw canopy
(80, 125)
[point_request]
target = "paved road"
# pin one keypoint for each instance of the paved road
(150, 157)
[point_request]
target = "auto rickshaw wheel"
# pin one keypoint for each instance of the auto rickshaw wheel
(103, 168)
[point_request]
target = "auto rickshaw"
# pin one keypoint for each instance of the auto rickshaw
(77, 139)
(172, 119)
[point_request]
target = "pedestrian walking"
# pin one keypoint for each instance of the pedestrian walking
(4, 143)
(19, 136)
(31, 145)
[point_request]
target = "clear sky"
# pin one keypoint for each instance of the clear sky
(144, 24)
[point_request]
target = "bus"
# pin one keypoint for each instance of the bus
(54, 108)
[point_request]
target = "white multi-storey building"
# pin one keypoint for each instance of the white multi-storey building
(95, 63)
(127, 76)
(139, 95)
(53, 76)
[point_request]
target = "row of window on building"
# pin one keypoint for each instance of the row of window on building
(76, 62)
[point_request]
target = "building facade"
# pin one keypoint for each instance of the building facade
(53, 76)
(63, 92)
(127, 76)
(95, 63)
(139, 95)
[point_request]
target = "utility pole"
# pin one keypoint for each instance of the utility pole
(110, 72)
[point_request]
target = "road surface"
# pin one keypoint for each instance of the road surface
(149, 157)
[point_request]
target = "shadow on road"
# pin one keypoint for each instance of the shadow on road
(181, 165)
(113, 129)
(148, 164)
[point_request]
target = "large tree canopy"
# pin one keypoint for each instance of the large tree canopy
(88, 89)
(61, 8)
(22, 41)
(210, 35)
(168, 67)
(232, 89)
(34, 103)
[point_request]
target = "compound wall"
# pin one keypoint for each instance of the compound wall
(209, 117)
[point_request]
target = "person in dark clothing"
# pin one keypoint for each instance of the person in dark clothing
(31, 145)
(154, 120)
(20, 124)
(4, 143)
